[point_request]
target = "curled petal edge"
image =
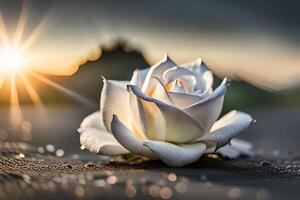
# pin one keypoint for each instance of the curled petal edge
(175, 155)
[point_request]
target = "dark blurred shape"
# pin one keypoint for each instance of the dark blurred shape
(116, 62)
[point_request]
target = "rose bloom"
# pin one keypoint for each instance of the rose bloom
(168, 112)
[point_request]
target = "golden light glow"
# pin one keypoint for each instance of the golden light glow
(32, 92)
(16, 117)
(13, 65)
(11, 61)
(14, 69)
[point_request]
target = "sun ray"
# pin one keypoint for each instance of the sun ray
(32, 92)
(13, 64)
(16, 117)
(2, 79)
(21, 25)
(63, 89)
(3, 34)
(33, 36)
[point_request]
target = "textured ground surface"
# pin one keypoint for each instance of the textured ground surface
(42, 159)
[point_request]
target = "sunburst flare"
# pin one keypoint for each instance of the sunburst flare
(14, 68)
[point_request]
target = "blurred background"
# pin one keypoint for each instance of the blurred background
(59, 49)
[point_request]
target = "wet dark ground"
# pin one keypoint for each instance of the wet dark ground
(42, 159)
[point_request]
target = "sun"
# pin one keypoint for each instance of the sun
(11, 61)
(16, 69)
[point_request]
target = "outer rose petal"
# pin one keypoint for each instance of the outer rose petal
(157, 71)
(242, 145)
(115, 100)
(207, 111)
(128, 140)
(176, 126)
(101, 142)
(228, 127)
(236, 148)
(174, 155)
(93, 120)
(137, 116)
(150, 117)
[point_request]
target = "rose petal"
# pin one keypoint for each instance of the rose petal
(166, 122)
(229, 152)
(174, 155)
(191, 80)
(175, 86)
(160, 92)
(173, 73)
(207, 111)
(115, 100)
(182, 100)
(101, 142)
(236, 148)
(203, 94)
(242, 145)
(93, 120)
(139, 77)
(228, 127)
(157, 71)
(209, 79)
(128, 140)
(200, 68)
(137, 116)
(151, 120)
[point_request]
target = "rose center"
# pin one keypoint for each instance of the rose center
(182, 84)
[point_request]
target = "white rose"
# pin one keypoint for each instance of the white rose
(167, 112)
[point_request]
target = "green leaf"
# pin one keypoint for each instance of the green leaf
(129, 158)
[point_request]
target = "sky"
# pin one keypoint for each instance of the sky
(256, 41)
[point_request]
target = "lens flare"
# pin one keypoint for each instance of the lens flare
(14, 68)
(11, 61)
